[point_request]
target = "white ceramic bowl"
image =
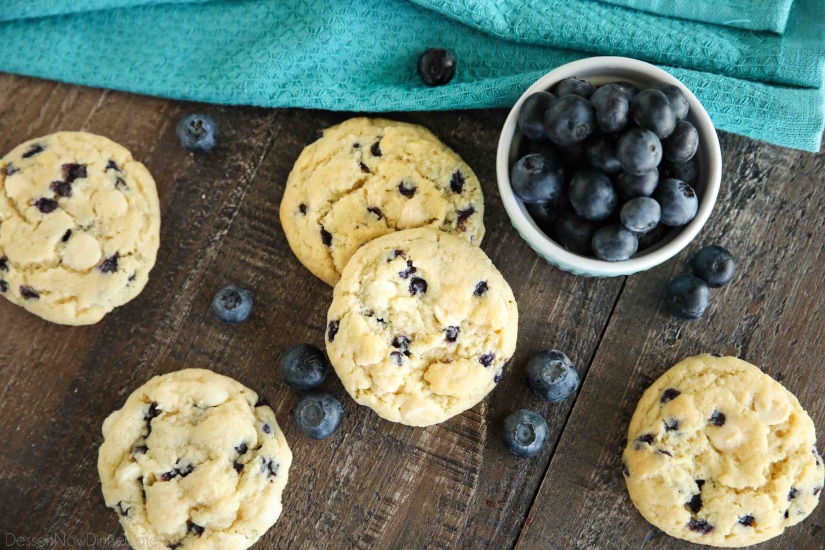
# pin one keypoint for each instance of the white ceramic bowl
(598, 71)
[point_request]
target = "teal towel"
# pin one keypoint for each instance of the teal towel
(361, 56)
(756, 15)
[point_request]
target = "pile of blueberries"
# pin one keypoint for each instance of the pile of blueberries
(607, 171)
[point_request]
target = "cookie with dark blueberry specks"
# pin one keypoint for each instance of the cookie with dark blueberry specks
(79, 227)
(368, 177)
(720, 453)
(194, 459)
(420, 326)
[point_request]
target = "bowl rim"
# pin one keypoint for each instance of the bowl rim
(556, 254)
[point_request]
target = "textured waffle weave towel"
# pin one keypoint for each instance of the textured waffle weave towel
(361, 56)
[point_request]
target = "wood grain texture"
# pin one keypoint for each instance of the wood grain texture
(375, 484)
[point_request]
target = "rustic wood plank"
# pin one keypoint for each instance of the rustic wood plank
(771, 216)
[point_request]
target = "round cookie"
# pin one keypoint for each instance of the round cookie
(194, 460)
(420, 326)
(368, 177)
(79, 227)
(720, 453)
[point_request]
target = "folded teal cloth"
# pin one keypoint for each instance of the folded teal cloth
(361, 56)
(756, 15)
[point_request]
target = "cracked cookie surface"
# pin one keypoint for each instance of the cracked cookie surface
(420, 326)
(720, 453)
(79, 227)
(368, 177)
(194, 460)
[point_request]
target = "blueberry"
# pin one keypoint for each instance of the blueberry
(232, 304)
(688, 171)
(641, 214)
(714, 265)
(531, 114)
(569, 119)
(601, 153)
(537, 178)
(304, 366)
(592, 194)
(614, 243)
(436, 66)
(629, 88)
(687, 297)
(612, 106)
(574, 86)
(681, 145)
(639, 151)
(318, 414)
(545, 213)
(651, 110)
(637, 185)
(678, 201)
(677, 98)
(552, 376)
(574, 232)
(197, 133)
(525, 433)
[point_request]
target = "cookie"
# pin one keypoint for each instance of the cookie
(719, 453)
(368, 177)
(194, 460)
(420, 326)
(79, 227)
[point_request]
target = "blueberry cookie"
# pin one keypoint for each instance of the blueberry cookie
(720, 453)
(79, 227)
(368, 177)
(420, 326)
(194, 460)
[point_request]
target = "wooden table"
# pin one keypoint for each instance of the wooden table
(375, 484)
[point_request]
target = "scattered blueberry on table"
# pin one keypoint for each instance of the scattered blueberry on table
(687, 297)
(318, 414)
(525, 433)
(607, 147)
(304, 366)
(714, 265)
(232, 304)
(436, 66)
(551, 376)
(197, 133)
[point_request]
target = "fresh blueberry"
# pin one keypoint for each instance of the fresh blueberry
(640, 214)
(525, 433)
(552, 376)
(688, 171)
(678, 201)
(612, 106)
(677, 98)
(637, 185)
(197, 133)
(318, 414)
(682, 143)
(545, 213)
(592, 194)
(537, 178)
(687, 297)
(714, 265)
(639, 151)
(436, 66)
(304, 366)
(232, 304)
(569, 119)
(531, 114)
(601, 153)
(651, 110)
(614, 243)
(574, 86)
(574, 232)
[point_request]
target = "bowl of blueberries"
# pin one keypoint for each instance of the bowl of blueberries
(608, 166)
